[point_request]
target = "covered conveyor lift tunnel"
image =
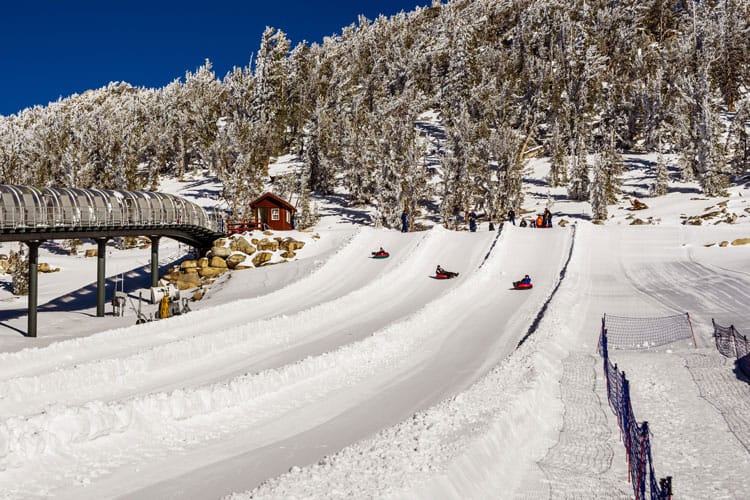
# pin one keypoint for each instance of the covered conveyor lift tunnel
(33, 216)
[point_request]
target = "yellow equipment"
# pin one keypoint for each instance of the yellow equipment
(164, 310)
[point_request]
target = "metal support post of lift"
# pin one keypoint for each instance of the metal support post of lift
(154, 260)
(101, 273)
(33, 285)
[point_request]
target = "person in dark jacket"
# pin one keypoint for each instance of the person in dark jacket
(404, 222)
(547, 218)
(512, 216)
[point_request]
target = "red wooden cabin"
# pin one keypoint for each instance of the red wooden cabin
(268, 212)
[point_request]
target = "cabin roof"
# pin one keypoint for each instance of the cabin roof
(274, 199)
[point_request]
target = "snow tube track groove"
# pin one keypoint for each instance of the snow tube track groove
(540, 315)
(241, 348)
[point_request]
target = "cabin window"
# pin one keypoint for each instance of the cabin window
(275, 214)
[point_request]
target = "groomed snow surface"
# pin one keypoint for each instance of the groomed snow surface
(338, 375)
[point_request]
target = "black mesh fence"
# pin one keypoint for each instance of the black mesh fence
(636, 437)
(644, 333)
(729, 342)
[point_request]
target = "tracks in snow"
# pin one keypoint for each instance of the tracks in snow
(368, 328)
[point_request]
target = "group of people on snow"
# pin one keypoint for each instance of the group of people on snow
(541, 220)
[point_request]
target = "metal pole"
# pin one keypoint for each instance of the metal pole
(101, 284)
(33, 286)
(155, 260)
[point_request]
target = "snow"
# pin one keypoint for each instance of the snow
(336, 375)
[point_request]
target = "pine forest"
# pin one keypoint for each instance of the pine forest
(435, 109)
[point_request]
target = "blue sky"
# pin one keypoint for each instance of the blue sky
(50, 49)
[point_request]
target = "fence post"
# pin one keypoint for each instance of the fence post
(695, 345)
(625, 420)
(668, 487)
(642, 461)
(716, 337)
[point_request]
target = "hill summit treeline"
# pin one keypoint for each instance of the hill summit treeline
(581, 80)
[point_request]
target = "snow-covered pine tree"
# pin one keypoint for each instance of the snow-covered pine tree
(578, 185)
(661, 183)
(738, 139)
(698, 126)
(612, 166)
(556, 147)
(203, 94)
(271, 77)
(598, 194)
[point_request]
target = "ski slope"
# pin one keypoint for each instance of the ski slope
(353, 377)
(228, 396)
(538, 425)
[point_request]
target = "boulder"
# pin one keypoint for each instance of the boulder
(291, 245)
(242, 267)
(222, 252)
(242, 245)
(90, 252)
(209, 272)
(189, 264)
(288, 255)
(235, 259)
(44, 267)
(203, 262)
(267, 245)
(221, 242)
(173, 276)
(217, 261)
(563, 222)
(187, 281)
(741, 241)
(636, 204)
(262, 258)
(724, 244)
(637, 222)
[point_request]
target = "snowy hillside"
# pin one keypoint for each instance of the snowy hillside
(337, 375)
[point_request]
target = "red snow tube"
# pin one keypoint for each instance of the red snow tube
(445, 276)
(522, 286)
(380, 255)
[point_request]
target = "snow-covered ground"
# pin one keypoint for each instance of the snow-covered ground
(336, 375)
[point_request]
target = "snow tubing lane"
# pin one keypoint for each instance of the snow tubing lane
(540, 315)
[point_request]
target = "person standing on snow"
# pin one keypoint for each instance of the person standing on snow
(472, 222)
(512, 216)
(404, 222)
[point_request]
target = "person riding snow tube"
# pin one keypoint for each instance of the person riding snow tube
(442, 274)
(380, 254)
(523, 284)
